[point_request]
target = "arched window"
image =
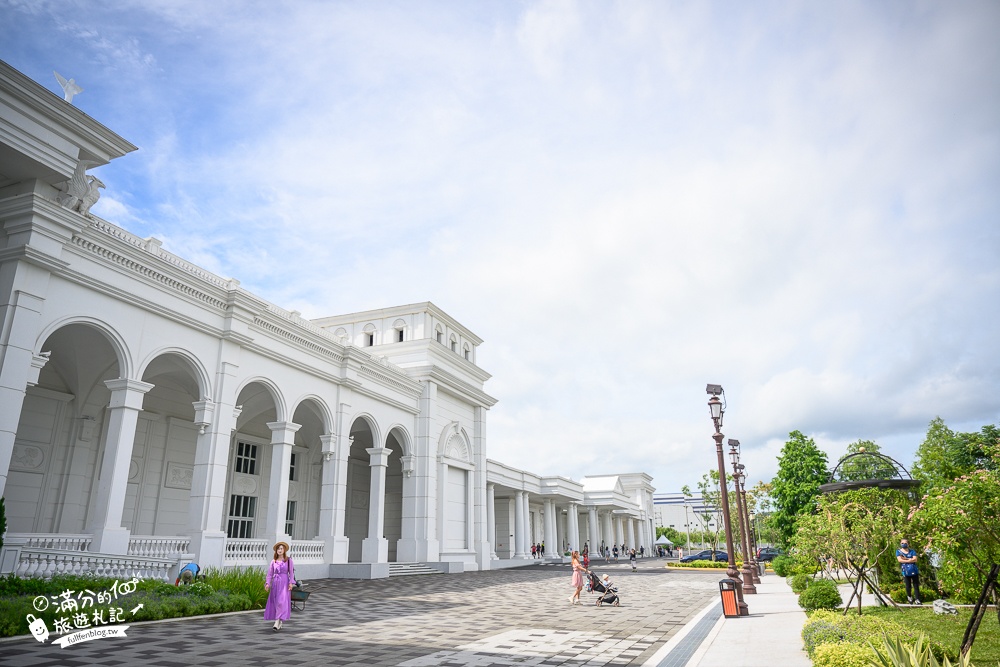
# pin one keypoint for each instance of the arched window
(454, 345)
(399, 326)
(439, 334)
(468, 353)
(369, 335)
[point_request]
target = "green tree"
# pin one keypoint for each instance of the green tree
(801, 471)
(672, 534)
(710, 494)
(855, 529)
(946, 455)
(958, 522)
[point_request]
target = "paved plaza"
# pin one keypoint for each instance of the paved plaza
(503, 617)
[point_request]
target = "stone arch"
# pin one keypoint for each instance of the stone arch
(52, 478)
(400, 488)
(118, 344)
(281, 411)
(305, 467)
(197, 369)
(364, 435)
(251, 458)
(322, 410)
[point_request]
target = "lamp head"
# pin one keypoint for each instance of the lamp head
(715, 406)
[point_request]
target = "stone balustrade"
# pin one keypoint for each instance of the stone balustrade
(46, 563)
(247, 551)
(55, 541)
(307, 551)
(154, 546)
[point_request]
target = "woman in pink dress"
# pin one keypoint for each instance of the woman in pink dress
(279, 582)
(577, 583)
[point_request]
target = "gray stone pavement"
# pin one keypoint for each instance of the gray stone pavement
(503, 617)
(770, 636)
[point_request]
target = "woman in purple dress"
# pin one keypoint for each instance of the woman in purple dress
(279, 582)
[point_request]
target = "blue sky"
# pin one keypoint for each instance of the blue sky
(625, 200)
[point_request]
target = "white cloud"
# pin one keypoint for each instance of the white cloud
(626, 200)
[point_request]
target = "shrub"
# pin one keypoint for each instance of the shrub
(819, 633)
(800, 582)
(843, 655)
(898, 595)
(820, 594)
(783, 565)
(243, 581)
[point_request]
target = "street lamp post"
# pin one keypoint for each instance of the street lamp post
(748, 587)
(751, 537)
(717, 411)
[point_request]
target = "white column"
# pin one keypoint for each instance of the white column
(484, 533)
(527, 525)
(609, 533)
(330, 520)
(631, 535)
(34, 239)
(574, 527)
(594, 529)
(491, 519)
(207, 502)
(282, 441)
(420, 539)
(519, 524)
(375, 548)
(105, 524)
(550, 528)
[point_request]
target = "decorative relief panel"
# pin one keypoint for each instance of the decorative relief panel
(244, 485)
(133, 468)
(456, 448)
(27, 457)
(178, 476)
(293, 491)
(359, 499)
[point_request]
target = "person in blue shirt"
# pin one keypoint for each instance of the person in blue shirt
(911, 577)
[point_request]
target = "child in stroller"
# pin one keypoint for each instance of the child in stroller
(608, 591)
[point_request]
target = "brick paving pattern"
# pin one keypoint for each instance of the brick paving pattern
(478, 619)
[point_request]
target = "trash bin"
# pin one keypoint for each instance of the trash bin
(730, 608)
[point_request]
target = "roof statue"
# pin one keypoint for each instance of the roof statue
(70, 88)
(81, 191)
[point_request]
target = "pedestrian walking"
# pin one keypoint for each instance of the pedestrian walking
(578, 570)
(631, 559)
(533, 551)
(279, 583)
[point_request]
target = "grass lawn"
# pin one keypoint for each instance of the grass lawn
(949, 630)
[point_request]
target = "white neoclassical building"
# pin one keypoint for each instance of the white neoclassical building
(153, 414)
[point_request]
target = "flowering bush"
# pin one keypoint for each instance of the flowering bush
(960, 524)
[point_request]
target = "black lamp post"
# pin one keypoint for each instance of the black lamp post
(717, 411)
(734, 454)
(751, 536)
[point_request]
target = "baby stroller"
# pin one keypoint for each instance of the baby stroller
(608, 592)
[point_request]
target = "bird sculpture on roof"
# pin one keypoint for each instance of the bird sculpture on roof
(82, 190)
(70, 88)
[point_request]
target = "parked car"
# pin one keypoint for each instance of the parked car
(767, 554)
(706, 555)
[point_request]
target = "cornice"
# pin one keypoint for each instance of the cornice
(66, 120)
(452, 384)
